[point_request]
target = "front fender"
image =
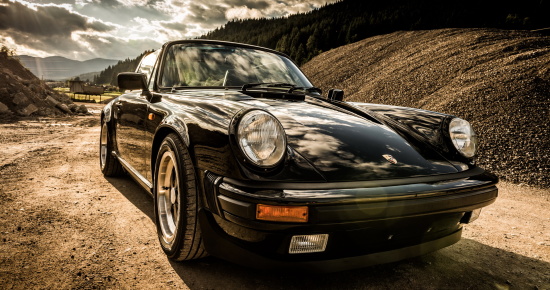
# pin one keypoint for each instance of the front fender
(174, 123)
(431, 127)
(107, 112)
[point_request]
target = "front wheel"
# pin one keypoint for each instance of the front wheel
(110, 166)
(176, 202)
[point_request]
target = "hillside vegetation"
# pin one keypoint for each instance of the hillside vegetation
(499, 80)
(109, 74)
(305, 35)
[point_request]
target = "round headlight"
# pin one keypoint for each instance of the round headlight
(463, 137)
(261, 138)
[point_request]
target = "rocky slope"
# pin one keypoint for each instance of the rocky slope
(22, 94)
(498, 80)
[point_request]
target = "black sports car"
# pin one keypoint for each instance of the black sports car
(247, 161)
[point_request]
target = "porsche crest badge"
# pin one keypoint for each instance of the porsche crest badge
(390, 158)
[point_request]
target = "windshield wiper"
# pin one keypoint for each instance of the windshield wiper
(314, 90)
(292, 87)
(271, 85)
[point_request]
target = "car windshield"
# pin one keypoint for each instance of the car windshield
(213, 65)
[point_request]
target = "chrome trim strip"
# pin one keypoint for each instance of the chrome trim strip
(362, 195)
(353, 184)
(146, 184)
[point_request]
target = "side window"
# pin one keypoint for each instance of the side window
(147, 64)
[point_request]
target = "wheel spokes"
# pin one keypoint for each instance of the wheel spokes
(168, 196)
(103, 145)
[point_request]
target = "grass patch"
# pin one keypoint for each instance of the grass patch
(89, 98)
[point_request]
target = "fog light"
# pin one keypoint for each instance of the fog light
(475, 214)
(470, 216)
(308, 244)
(277, 213)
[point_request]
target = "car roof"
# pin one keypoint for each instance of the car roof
(221, 42)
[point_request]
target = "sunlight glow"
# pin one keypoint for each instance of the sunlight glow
(133, 2)
(34, 6)
(242, 12)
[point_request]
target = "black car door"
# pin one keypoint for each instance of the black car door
(131, 122)
(131, 111)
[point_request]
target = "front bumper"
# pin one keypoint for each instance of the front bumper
(366, 225)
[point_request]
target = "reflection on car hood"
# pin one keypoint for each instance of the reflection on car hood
(346, 147)
(342, 146)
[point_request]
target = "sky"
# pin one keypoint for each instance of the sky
(120, 29)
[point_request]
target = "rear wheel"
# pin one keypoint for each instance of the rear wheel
(176, 202)
(110, 166)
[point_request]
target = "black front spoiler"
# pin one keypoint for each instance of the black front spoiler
(219, 244)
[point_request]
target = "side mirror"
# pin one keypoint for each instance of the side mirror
(131, 81)
(335, 95)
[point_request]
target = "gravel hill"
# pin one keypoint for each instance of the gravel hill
(22, 94)
(499, 80)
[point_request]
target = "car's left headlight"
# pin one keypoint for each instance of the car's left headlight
(261, 138)
(463, 137)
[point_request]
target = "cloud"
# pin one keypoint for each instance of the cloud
(243, 12)
(110, 3)
(82, 45)
(117, 48)
(94, 28)
(56, 30)
(46, 20)
(270, 8)
(206, 14)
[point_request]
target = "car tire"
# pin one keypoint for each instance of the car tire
(176, 202)
(110, 166)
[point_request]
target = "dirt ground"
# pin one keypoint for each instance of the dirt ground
(64, 225)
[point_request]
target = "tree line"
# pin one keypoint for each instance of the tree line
(109, 75)
(303, 36)
(306, 35)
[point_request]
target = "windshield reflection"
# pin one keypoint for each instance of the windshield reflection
(208, 65)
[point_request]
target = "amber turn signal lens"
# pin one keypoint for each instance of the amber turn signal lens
(297, 214)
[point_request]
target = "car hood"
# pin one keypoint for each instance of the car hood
(347, 147)
(340, 145)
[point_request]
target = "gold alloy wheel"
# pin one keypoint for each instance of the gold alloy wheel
(168, 197)
(103, 146)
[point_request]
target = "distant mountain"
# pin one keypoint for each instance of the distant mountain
(60, 68)
(88, 77)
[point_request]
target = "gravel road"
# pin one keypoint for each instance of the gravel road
(63, 225)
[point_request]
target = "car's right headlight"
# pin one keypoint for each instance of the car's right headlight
(463, 137)
(261, 138)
